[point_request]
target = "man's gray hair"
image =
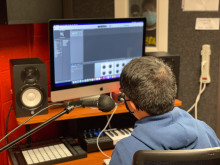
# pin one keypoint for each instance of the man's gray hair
(150, 84)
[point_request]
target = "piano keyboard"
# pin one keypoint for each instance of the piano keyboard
(118, 134)
(61, 151)
(88, 139)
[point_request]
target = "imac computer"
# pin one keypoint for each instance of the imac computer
(87, 56)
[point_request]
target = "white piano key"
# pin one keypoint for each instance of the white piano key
(33, 156)
(27, 157)
(54, 151)
(49, 153)
(44, 154)
(60, 151)
(65, 150)
(38, 155)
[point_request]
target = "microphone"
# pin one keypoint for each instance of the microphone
(104, 103)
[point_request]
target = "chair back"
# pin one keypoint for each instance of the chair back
(207, 156)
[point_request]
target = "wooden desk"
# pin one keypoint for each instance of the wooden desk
(76, 113)
(94, 158)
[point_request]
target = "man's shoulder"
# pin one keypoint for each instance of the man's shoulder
(127, 142)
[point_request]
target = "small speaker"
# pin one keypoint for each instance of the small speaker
(29, 86)
(172, 60)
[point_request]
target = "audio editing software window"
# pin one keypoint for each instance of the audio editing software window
(93, 52)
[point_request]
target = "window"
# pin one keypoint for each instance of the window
(132, 8)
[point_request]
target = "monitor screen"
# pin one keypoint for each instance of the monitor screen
(87, 56)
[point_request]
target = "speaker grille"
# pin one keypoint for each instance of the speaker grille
(31, 97)
(30, 75)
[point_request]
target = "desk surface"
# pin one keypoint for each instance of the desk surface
(76, 113)
(94, 158)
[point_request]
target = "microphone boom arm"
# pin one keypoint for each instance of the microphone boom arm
(67, 110)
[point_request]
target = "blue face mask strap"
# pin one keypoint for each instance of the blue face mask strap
(126, 105)
(125, 101)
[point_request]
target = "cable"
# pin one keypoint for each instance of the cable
(97, 141)
(109, 126)
(200, 86)
(6, 127)
(197, 101)
(28, 120)
(198, 96)
(204, 77)
(201, 90)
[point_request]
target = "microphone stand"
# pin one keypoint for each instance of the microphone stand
(67, 110)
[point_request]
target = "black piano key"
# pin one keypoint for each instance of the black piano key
(121, 131)
(127, 132)
(113, 131)
(110, 133)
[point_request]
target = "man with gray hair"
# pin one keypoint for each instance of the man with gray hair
(149, 88)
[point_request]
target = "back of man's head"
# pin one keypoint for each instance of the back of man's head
(150, 84)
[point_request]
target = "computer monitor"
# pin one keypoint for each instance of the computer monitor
(87, 56)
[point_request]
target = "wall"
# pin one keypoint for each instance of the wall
(19, 41)
(30, 41)
(185, 41)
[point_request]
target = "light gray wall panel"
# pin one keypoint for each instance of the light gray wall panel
(185, 41)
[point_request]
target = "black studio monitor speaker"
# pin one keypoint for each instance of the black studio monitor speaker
(170, 59)
(29, 86)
